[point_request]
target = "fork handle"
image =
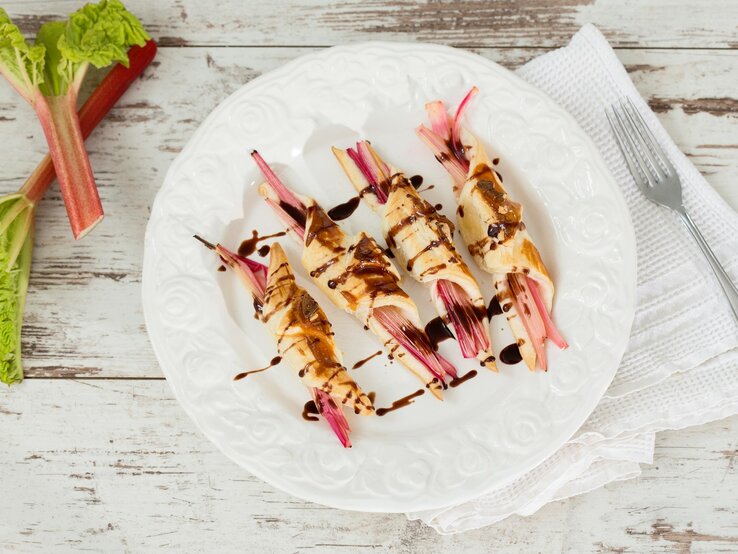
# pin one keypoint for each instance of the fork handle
(730, 290)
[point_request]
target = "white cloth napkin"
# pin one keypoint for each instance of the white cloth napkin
(681, 365)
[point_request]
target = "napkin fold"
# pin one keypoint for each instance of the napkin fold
(681, 364)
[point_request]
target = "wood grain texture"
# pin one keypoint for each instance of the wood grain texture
(507, 23)
(116, 466)
(84, 316)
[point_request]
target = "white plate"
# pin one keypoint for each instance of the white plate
(430, 454)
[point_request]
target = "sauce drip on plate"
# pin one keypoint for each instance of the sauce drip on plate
(248, 246)
(511, 354)
(274, 362)
(401, 403)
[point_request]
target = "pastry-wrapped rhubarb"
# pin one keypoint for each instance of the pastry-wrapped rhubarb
(356, 274)
(303, 334)
(422, 241)
(492, 225)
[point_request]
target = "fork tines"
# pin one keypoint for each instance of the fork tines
(647, 162)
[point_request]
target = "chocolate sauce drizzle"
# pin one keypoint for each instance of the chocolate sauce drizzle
(343, 211)
(461, 379)
(248, 246)
(438, 331)
(416, 181)
(510, 355)
(361, 363)
(310, 411)
(274, 362)
(401, 403)
(494, 308)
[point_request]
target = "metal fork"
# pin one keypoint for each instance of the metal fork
(657, 178)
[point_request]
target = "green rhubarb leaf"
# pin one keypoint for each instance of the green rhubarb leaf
(99, 34)
(17, 217)
(20, 63)
(54, 84)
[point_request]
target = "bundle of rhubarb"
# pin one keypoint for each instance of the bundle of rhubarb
(48, 74)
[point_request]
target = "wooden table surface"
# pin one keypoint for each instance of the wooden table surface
(97, 455)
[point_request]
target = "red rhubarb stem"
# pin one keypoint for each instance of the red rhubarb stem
(252, 274)
(528, 312)
(58, 116)
(552, 331)
(285, 194)
(466, 320)
(414, 340)
(456, 145)
(333, 415)
(95, 108)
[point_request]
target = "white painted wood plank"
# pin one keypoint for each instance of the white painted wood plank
(116, 466)
(83, 315)
(643, 23)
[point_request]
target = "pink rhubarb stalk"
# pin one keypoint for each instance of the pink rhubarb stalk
(374, 171)
(253, 274)
(328, 408)
(419, 346)
(526, 309)
(439, 119)
(288, 207)
(285, 194)
(59, 121)
(552, 331)
(444, 138)
(456, 145)
(93, 111)
(465, 318)
(19, 209)
(445, 156)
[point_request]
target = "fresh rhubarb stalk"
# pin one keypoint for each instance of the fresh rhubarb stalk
(328, 408)
(414, 340)
(95, 108)
(48, 76)
(18, 213)
(466, 320)
(374, 170)
(526, 309)
(552, 331)
(66, 146)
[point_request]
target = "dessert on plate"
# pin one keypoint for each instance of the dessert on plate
(303, 335)
(421, 239)
(358, 276)
(491, 224)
